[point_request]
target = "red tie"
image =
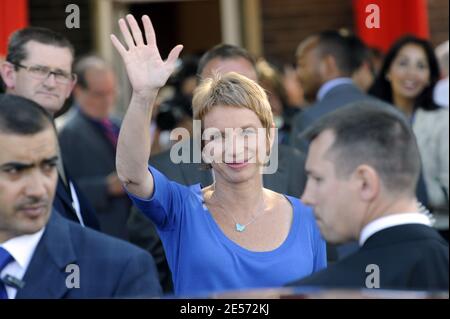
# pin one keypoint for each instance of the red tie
(110, 132)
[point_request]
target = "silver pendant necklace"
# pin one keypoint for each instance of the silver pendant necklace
(242, 227)
(239, 227)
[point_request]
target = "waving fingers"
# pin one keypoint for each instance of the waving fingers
(136, 31)
(149, 30)
(119, 47)
(173, 56)
(126, 33)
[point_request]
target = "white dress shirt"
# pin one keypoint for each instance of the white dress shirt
(390, 221)
(440, 92)
(73, 193)
(22, 250)
(76, 203)
(325, 88)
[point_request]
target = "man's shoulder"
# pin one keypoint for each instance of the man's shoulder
(405, 234)
(332, 103)
(109, 267)
(93, 244)
(186, 173)
(160, 158)
(345, 96)
(163, 163)
(404, 245)
(317, 109)
(393, 255)
(290, 152)
(345, 273)
(433, 117)
(73, 123)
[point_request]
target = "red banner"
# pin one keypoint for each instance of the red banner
(379, 23)
(13, 16)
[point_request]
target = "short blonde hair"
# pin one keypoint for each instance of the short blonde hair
(232, 89)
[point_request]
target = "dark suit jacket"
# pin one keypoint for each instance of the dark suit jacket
(409, 256)
(108, 267)
(90, 157)
(337, 97)
(62, 203)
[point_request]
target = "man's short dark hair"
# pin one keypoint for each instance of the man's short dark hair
(18, 40)
(224, 52)
(360, 53)
(332, 43)
(22, 116)
(85, 63)
(375, 134)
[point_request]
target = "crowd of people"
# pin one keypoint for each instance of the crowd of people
(359, 142)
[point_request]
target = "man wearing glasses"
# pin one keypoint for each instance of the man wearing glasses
(38, 66)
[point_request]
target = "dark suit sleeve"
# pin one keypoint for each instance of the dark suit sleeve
(143, 234)
(297, 175)
(299, 124)
(431, 272)
(96, 189)
(163, 163)
(320, 257)
(87, 211)
(139, 278)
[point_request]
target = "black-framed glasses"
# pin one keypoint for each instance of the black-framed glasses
(40, 72)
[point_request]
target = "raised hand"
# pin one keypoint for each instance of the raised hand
(146, 70)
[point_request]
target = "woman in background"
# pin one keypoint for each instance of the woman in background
(407, 79)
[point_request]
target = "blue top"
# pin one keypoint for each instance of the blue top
(204, 260)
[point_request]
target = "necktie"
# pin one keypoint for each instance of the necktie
(5, 259)
(110, 131)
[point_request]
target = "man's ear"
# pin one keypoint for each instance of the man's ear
(368, 182)
(77, 90)
(388, 76)
(265, 154)
(271, 139)
(328, 68)
(72, 86)
(272, 134)
(322, 68)
(8, 73)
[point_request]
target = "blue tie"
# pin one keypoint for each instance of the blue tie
(5, 259)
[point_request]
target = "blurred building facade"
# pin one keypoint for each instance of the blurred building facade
(270, 28)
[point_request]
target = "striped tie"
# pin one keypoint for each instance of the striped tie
(110, 132)
(5, 259)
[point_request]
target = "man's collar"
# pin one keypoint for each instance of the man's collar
(390, 221)
(22, 248)
(328, 86)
